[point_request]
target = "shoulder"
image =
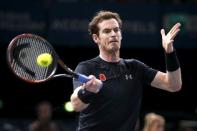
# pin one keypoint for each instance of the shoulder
(133, 62)
(86, 66)
(90, 62)
(136, 64)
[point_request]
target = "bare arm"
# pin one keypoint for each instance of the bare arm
(77, 104)
(171, 80)
(93, 86)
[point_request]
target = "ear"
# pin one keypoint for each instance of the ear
(95, 38)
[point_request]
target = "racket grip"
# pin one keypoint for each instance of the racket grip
(83, 78)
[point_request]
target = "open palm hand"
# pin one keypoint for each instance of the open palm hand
(168, 39)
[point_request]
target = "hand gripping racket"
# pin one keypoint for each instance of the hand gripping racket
(22, 54)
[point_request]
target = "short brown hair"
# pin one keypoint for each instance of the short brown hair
(99, 17)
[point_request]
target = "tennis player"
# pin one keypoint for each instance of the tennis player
(111, 100)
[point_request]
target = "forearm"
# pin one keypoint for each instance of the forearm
(174, 80)
(85, 94)
(77, 104)
(173, 71)
(171, 80)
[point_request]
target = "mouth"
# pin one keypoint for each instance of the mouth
(113, 41)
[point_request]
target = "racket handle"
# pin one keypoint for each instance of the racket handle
(83, 78)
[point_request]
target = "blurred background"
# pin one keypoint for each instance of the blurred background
(64, 24)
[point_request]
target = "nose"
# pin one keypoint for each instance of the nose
(113, 33)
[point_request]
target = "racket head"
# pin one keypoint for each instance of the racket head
(22, 54)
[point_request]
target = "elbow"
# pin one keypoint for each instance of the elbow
(175, 87)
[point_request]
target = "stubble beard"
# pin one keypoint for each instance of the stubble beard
(112, 50)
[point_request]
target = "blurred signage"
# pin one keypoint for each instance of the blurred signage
(66, 24)
(69, 24)
(20, 17)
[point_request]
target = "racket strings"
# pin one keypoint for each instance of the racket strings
(28, 57)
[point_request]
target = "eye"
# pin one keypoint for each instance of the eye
(116, 29)
(106, 31)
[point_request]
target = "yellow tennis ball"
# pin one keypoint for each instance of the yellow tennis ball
(44, 60)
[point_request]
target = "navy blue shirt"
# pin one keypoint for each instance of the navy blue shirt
(117, 105)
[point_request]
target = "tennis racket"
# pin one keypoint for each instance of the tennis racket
(22, 54)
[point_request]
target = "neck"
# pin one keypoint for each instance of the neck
(114, 57)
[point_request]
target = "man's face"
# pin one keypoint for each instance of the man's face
(109, 36)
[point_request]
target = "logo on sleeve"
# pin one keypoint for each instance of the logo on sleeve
(102, 77)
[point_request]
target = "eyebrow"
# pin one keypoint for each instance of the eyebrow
(105, 29)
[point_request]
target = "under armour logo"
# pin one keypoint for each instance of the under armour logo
(128, 77)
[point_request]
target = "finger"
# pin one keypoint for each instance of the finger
(91, 76)
(89, 83)
(175, 27)
(163, 32)
(83, 85)
(175, 34)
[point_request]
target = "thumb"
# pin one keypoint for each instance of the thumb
(91, 79)
(163, 32)
(91, 76)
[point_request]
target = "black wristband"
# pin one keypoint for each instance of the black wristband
(86, 96)
(172, 62)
